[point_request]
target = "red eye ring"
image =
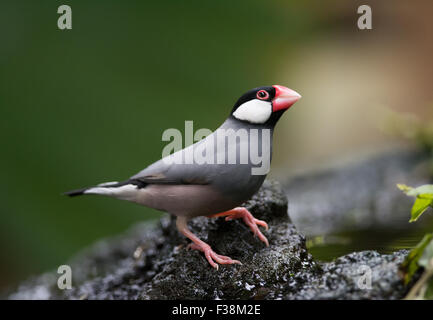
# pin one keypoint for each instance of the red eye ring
(262, 95)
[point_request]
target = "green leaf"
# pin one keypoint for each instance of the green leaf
(404, 188)
(426, 189)
(410, 264)
(426, 259)
(419, 207)
(426, 196)
(424, 199)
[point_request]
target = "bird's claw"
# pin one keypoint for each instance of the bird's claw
(251, 222)
(212, 257)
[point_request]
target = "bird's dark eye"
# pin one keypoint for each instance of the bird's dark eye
(262, 95)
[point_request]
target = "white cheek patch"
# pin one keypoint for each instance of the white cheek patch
(254, 111)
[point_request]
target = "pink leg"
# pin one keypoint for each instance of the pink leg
(248, 218)
(198, 244)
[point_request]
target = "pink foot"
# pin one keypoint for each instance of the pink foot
(211, 255)
(250, 221)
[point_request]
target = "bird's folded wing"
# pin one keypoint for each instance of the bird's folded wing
(161, 178)
(163, 173)
(170, 170)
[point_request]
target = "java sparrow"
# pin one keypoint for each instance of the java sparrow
(213, 188)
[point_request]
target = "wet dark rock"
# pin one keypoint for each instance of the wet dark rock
(359, 275)
(151, 262)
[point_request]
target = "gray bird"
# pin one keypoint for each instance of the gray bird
(215, 175)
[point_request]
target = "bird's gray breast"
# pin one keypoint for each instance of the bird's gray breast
(242, 156)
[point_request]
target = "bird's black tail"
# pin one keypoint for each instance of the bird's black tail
(100, 188)
(79, 192)
(76, 192)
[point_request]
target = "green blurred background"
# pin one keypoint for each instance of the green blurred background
(89, 105)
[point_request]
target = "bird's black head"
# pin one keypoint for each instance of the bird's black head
(264, 104)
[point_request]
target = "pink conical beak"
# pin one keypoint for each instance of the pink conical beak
(284, 98)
